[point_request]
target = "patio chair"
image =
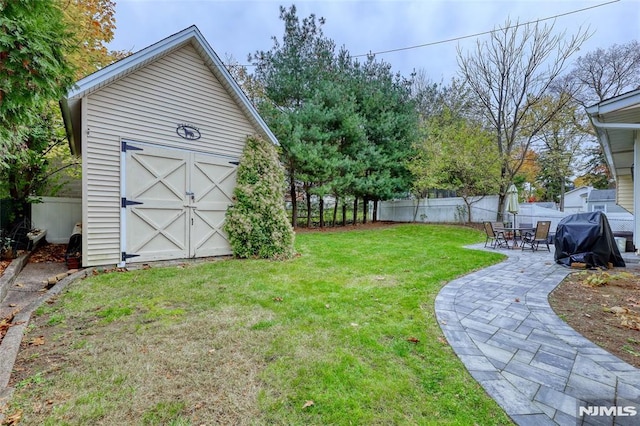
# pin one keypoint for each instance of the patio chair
(541, 235)
(496, 238)
(519, 233)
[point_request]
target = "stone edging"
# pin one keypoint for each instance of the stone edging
(10, 274)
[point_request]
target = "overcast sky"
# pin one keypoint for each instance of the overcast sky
(240, 27)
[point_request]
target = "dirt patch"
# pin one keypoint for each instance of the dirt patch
(604, 306)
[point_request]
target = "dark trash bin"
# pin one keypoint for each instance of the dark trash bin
(74, 251)
(586, 238)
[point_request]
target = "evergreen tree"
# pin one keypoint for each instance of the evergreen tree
(390, 117)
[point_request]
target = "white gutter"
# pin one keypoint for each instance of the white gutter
(622, 126)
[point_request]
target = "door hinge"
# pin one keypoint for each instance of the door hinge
(126, 256)
(124, 147)
(124, 202)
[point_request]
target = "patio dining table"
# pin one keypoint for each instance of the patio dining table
(514, 233)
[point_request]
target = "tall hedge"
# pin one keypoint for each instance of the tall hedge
(257, 223)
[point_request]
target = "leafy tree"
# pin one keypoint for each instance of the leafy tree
(510, 74)
(596, 172)
(33, 73)
(249, 84)
(257, 223)
(530, 167)
(33, 69)
(41, 57)
(459, 155)
(93, 25)
(560, 142)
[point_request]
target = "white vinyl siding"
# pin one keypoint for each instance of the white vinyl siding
(624, 192)
(147, 106)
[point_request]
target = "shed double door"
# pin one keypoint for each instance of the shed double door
(175, 203)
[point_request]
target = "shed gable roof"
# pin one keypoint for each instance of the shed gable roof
(70, 105)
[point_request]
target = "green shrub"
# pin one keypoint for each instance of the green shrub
(257, 224)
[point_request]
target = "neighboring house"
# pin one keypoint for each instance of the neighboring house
(617, 122)
(160, 134)
(575, 201)
(603, 200)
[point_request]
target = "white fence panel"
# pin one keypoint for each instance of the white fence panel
(531, 213)
(452, 210)
(445, 210)
(58, 216)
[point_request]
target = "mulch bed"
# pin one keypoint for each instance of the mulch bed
(604, 306)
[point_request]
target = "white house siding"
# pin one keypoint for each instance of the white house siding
(147, 106)
(624, 193)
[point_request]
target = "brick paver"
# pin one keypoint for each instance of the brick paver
(539, 369)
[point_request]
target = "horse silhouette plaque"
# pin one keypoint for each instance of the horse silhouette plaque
(187, 131)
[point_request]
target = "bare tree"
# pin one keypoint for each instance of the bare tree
(603, 74)
(511, 74)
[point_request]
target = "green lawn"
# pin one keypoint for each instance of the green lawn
(343, 334)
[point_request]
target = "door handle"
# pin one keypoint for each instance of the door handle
(192, 195)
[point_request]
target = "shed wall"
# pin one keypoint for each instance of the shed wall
(147, 106)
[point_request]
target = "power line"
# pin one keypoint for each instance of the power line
(484, 32)
(449, 40)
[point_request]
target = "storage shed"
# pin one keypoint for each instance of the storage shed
(160, 134)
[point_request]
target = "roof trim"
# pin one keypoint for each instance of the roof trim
(117, 70)
(614, 104)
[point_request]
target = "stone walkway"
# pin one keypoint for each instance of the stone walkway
(537, 368)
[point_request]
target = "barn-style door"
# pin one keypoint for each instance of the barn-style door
(174, 203)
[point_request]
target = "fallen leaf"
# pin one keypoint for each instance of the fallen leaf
(12, 305)
(517, 300)
(19, 285)
(37, 341)
(619, 310)
(327, 306)
(354, 324)
(442, 340)
(13, 419)
(277, 299)
(308, 404)
(413, 340)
